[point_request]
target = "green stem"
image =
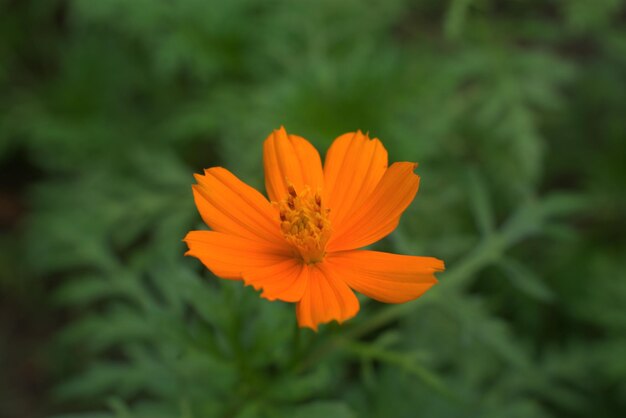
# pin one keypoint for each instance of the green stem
(406, 363)
(526, 221)
(523, 223)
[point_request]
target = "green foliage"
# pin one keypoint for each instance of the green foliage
(514, 110)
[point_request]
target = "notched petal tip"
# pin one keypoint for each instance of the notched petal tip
(264, 295)
(408, 166)
(255, 286)
(188, 237)
(279, 134)
(315, 326)
(439, 265)
(312, 327)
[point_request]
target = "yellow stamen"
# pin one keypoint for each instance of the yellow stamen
(304, 223)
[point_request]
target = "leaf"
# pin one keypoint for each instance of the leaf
(318, 409)
(525, 280)
(455, 18)
(404, 361)
(481, 205)
(85, 415)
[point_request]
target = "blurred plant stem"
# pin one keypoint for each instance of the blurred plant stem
(403, 360)
(530, 219)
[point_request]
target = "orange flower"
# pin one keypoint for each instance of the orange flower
(302, 246)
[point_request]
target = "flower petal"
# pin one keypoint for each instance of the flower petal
(229, 256)
(379, 215)
(390, 278)
(286, 280)
(325, 299)
(290, 159)
(353, 167)
(229, 205)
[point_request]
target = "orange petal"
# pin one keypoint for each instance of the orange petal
(229, 256)
(390, 278)
(286, 280)
(229, 205)
(326, 298)
(353, 167)
(290, 159)
(379, 215)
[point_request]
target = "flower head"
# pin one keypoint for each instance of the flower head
(302, 244)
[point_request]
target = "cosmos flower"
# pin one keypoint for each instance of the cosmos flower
(302, 245)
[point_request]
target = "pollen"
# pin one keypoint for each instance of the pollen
(304, 223)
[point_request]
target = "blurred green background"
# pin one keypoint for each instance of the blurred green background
(515, 110)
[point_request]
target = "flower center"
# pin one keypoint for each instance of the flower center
(304, 223)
